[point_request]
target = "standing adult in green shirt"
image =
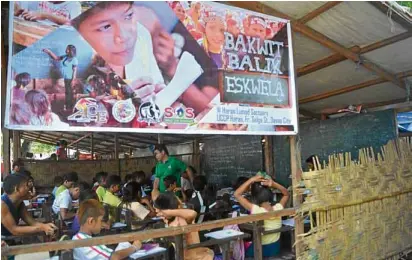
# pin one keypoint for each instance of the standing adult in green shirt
(68, 180)
(167, 165)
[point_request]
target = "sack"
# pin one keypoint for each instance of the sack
(236, 247)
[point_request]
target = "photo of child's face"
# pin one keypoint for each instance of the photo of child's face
(215, 33)
(257, 30)
(180, 12)
(112, 33)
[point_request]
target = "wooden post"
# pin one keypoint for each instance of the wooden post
(116, 153)
(16, 145)
(159, 138)
(179, 251)
(257, 240)
(196, 155)
(297, 199)
(5, 132)
(92, 145)
(269, 160)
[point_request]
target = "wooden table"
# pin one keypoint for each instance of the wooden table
(27, 32)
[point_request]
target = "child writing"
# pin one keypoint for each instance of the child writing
(90, 216)
(133, 202)
(262, 198)
(109, 198)
(101, 178)
(167, 207)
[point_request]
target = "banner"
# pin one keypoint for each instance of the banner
(158, 67)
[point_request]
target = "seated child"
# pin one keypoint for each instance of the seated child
(58, 181)
(90, 215)
(140, 178)
(63, 204)
(262, 197)
(167, 207)
(109, 198)
(101, 178)
(133, 202)
(199, 200)
(84, 195)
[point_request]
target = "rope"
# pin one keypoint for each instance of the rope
(389, 15)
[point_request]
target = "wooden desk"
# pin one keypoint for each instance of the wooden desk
(27, 32)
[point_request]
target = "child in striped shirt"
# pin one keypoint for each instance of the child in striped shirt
(90, 217)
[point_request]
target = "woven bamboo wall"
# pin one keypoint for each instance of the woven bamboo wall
(360, 210)
(44, 172)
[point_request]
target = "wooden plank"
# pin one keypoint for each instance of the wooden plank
(327, 42)
(340, 91)
(16, 145)
(297, 199)
(337, 57)
(323, 63)
(318, 11)
(5, 132)
(322, 39)
(143, 235)
(269, 160)
(179, 250)
(257, 240)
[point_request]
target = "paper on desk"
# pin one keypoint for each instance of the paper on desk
(119, 225)
(43, 195)
(225, 233)
(139, 253)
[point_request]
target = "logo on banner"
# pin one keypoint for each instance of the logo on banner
(149, 112)
(124, 111)
(87, 110)
(179, 115)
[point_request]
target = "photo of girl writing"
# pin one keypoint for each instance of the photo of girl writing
(68, 70)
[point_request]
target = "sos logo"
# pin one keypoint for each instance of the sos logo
(179, 112)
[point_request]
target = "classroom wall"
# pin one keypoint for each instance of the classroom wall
(44, 171)
(345, 134)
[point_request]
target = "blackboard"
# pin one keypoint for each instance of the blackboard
(226, 158)
(323, 138)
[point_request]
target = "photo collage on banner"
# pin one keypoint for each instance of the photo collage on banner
(166, 67)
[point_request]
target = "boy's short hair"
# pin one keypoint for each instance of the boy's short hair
(58, 180)
(161, 148)
(199, 182)
(139, 174)
(90, 209)
(101, 176)
(96, 8)
(71, 177)
(169, 180)
(87, 195)
(166, 200)
(84, 185)
(12, 182)
(128, 177)
(113, 180)
(17, 163)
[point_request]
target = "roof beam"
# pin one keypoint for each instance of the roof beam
(322, 39)
(389, 103)
(318, 11)
(337, 57)
(307, 113)
(352, 88)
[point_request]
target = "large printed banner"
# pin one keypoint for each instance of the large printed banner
(163, 67)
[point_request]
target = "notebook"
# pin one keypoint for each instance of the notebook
(221, 234)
